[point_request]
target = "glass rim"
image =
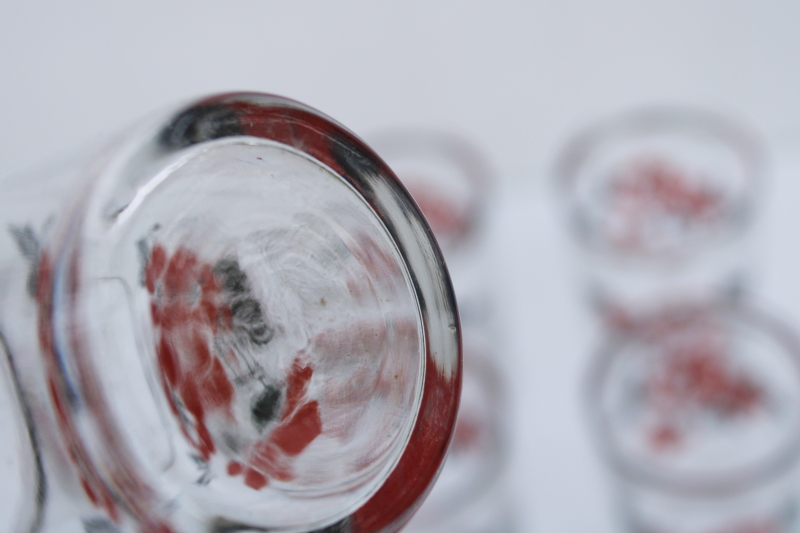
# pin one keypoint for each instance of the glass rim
(736, 480)
(302, 128)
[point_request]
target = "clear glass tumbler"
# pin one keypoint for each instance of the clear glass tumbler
(659, 201)
(698, 415)
(231, 317)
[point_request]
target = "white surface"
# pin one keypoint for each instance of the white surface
(517, 78)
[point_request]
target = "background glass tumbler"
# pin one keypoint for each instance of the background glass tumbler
(229, 318)
(698, 415)
(659, 200)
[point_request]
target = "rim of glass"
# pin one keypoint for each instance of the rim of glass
(731, 482)
(309, 131)
(655, 119)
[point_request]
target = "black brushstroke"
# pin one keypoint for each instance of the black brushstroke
(265, 407)
(230, 274)
(221, 525)
(29, 247)
(248, 317)
(99, 525)
(342, 526)
(199, 124)
(41, 480)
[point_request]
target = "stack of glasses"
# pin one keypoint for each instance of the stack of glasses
(695, 396)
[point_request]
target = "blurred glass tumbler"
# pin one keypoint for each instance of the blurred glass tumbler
(230, 318)
(698, 416)
(660, 200)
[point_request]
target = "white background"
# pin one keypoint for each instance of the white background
(517, 78)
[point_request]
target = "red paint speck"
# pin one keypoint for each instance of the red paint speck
(295, 435)
(235, 468)
(254, 479)
(296, 386)
(665, 437)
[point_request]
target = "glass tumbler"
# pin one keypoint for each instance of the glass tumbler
(230, 317)
(697, 413)
(659, 201)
